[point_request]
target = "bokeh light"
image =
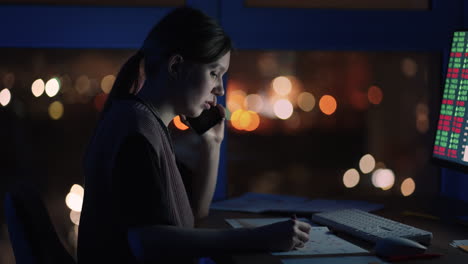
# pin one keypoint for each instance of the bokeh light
(375, 174)
(38, 87)
(107, 83)
(327, 104)
(100, 100)
(77, 189)
(367, 163)
(83, 85)
(422, 109)
(306, 101)
(351, 178)
(56, 110)
(283, 108)
(52, 87)
(375, 95)
(422, 118)
(235, 100)
(408, 186)
(253, 102)
(383, 178)
(282, 85)
(75, 217)
(245, 120)
(5, 97)
(74, 201)
(422, 125)
(254, 121)
(178, 123)
(409, 67)
(235, 119)
(386, 180)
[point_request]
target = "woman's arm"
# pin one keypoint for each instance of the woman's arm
(200, 154)
(153, 242)
(204, 178)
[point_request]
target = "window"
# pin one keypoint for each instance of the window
(301, 119)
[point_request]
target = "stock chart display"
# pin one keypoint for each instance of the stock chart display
(452, 128)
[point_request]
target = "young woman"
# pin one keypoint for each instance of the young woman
(138, 206)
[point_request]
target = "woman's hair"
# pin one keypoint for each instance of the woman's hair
(185, 31)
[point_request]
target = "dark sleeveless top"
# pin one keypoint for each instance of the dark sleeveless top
(131, 180)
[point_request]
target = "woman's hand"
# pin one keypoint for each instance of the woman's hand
(216, 133)
(284, 236)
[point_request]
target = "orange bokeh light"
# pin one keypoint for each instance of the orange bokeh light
(178, 123)
(235, 100)
(245, 120)
(235, 122)
(328, 104)
(254, 121)
(375, 95)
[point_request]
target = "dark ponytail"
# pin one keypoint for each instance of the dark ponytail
(185, 31)
(127, 79)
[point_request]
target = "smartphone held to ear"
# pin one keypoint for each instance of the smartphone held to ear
(206, 120)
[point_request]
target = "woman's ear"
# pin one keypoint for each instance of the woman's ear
(174, 66)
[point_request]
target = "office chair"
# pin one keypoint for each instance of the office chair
(32, 235)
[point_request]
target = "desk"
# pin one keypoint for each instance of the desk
(444, 233)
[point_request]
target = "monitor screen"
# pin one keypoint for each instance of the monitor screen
(451, 146)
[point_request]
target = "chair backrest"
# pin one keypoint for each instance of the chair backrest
(32, 235)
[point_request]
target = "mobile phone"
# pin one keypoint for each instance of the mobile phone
(207, 119)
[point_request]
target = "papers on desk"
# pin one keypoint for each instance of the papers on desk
(461, 244)
(260, 203)
(322, 241)
(457, 243)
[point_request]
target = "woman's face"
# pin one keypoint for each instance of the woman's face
(198, 89)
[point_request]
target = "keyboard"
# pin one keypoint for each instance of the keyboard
(370, 227)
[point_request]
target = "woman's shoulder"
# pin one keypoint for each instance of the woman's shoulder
(128, 107)
(129, 113)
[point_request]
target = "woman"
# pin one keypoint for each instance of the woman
(137, 206)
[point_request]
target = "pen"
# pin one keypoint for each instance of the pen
(417, 256)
